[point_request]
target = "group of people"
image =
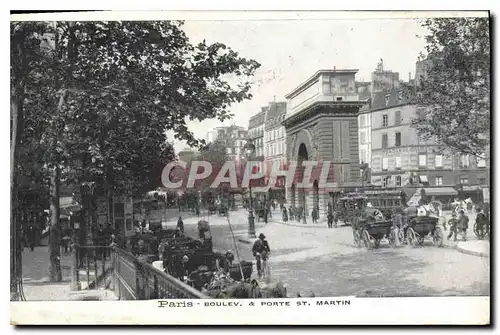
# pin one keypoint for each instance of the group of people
(297, 214)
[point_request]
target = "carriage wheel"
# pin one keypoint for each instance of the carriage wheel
(366, 239)
(437, 237)
(411, 237)
(377, 243)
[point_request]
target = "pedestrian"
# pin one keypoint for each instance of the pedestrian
(30, 236)
(397, 223)
(180, 225)
(291, 214)
(330, 217)
(284, 214)
(313, 215)
(463, 224)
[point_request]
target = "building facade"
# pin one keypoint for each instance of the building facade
(233, 137)
(256, 127)
(275, 137)
(322, 125)
(401, 158)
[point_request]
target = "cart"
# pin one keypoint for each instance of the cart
(371, 225)
(420, 227)
(376, 231)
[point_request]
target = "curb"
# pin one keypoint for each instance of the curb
(241, 240)
(317, 225)
(472, 252)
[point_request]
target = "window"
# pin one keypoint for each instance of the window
(482, 181)
(464, 180)
(481, 162)
(385, 163)
(398, 139)
(397, 118)
(384, 141)
(439, 180)
(386, 180)
(438, 161)
(385, 120)
(362, 137)
(398, 163)
(398, 180)
(229, 150)
(422, 160)
(326, 85)
(464, 161)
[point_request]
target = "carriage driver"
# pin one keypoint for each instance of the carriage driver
(260, 247)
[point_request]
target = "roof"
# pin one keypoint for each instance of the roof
(257, 119)
(306, 83)
(395, 98)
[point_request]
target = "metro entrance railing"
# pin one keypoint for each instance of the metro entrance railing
(118, 270)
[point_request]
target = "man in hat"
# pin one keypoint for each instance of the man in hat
(453, 223)
(463, 224)
(260, 249)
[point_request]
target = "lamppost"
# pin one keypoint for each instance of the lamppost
(249, 152)
(88, 189)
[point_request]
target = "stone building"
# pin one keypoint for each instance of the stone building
(275, 137)
(256, 126)
(322, 125)
(234, 138)
(402, 158)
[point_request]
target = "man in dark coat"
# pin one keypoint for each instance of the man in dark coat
(463, 224)
(30, 237)
(180, 224)
(260, 249)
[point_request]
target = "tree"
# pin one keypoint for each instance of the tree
(104, 93)
(454, 91)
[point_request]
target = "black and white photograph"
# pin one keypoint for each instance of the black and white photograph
(225, 160)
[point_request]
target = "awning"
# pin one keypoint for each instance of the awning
(440, 191)
(423, 179)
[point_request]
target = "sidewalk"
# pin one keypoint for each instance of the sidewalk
(479, 248)
(38, 287)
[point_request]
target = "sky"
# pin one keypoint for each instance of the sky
(290, 51)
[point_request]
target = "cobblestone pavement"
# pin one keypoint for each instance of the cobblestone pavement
(325, 262)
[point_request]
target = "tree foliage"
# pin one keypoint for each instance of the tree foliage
(454, 91)
(121, 85)
(91, 101)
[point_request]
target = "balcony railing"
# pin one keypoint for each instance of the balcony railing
(126, 275)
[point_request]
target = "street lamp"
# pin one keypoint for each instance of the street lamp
(249, 152)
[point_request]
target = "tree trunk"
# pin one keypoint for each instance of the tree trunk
(15, 250)
(55, 229)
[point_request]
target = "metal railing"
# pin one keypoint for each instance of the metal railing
(90, 266)
(129, 278)
(136, 280)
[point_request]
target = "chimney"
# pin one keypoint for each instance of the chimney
(409, 76)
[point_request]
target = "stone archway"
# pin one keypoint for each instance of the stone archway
(302, 155)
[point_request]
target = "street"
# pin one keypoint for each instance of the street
(324, 262)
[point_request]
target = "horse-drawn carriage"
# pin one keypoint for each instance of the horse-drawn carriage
(371, 227)
(419, 227)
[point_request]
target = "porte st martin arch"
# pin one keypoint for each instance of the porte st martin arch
(322, 126)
